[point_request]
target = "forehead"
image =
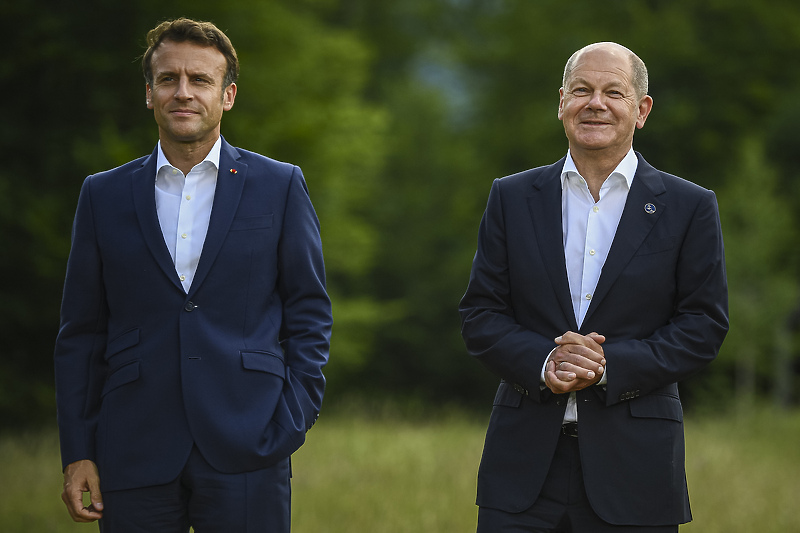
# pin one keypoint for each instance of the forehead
(187, 56)
(602, 65)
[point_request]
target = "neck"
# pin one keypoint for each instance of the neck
(596, 166)
(184, 156)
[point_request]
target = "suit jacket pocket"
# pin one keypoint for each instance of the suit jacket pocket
(657, 406)
(264, 362)
(123, 375)
(507, 396)
(255, 222)
(122, 342)
(654, 246)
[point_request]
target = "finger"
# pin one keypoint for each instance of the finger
(569, 372)
(580, 359)
(590, 364)
(95, 496)
(599, 339)
(565, 375)
(74, 501)
(592, 340)
(556, 385)
(87, 514)
(586, 356)
(569, 337)
(81, 477)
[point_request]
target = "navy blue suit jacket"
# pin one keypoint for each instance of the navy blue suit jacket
(661, 302)
(145, 370)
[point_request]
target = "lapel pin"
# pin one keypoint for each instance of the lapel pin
(233, 171)
(649, 208)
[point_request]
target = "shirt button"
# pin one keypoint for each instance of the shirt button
(596, 209)
(588, 296)
(174, 170)
(592, 252)
(188, 196)
(183, 235)
(183, 278)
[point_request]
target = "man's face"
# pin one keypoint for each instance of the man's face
(598, 104)
(187, 96)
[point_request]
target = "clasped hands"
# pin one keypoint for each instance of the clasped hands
(577, 363)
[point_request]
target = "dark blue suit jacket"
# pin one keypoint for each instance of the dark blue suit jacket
(661, 302)
(144, 370)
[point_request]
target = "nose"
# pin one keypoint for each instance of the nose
(597, 101)
(182, 89)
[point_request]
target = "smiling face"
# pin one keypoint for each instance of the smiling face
(599, 105)
(187, 96)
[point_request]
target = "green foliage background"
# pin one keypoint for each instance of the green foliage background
(400, 113)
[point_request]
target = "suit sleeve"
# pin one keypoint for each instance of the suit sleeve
(488, 325)
(307, 316)
(79, 367)
(693, 336)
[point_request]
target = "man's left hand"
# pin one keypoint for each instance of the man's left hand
(577, 363)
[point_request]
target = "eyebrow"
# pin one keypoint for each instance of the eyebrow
(582, 81)
(199, 74)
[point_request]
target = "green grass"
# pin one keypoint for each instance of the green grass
(386, 473)
(744, 473)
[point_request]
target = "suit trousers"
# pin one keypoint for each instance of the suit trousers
(562, 505)
(205, 499)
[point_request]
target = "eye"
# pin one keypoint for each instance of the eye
(580, 91)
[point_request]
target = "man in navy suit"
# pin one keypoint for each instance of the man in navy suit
(195, 321)
(598, 284)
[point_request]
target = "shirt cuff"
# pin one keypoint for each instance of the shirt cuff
(544, 366)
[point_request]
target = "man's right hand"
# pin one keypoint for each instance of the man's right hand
(577, 363)
(80, 477)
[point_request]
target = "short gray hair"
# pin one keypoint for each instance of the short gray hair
(638, 68)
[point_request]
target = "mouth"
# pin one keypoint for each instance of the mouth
(183, 112)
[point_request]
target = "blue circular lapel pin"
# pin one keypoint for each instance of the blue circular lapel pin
(649, 208)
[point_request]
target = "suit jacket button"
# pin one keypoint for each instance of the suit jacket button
(189, 307)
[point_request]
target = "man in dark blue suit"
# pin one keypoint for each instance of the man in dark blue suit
(598, 284)
(195, 321)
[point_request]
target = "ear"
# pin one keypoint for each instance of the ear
(560, 103)
(148, 96)
(645, 106)
(228, 97)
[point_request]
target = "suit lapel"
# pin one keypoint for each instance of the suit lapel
(638, 218)
(144, 199)
(545, 208)
(230, 183)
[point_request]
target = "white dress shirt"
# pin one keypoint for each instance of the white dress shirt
(588, 230)
(184, 205)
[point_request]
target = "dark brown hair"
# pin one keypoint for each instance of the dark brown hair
(186, 30)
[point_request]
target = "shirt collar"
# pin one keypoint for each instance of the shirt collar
(626, 168)
(212, 157)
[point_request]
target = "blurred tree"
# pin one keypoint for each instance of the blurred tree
(472, 91)
(299, 100)
(401, 113)
(762, 272)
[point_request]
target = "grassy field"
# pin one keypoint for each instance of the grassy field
(385, 473)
